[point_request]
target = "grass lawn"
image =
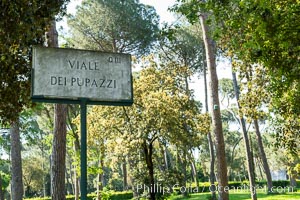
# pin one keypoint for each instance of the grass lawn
(243, 196)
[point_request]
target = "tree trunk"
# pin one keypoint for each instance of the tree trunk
(249, 156)
(215, 108)
(259, 168)
(72, 112)
(76, 175)
(166, 162)
(148, 150)
(16, 162)
(263, 156)
(184, 171)
(58, 155)
(1, 190)
(293, 182)
(76, 185)
(124, 168)
(210, 142)
(194, 171)
(100, 175)
(233, 150)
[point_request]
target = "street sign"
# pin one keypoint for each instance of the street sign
(81, 77)
(69, 75)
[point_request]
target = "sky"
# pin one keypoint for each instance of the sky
(161, 7)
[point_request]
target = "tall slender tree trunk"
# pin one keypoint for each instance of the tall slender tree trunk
(58, 155)
(76, 175)
(184, 170)
(212, 178)
(293, 182)
(194, 170)
(125, 174)
(259, 168)
(215, 108)
(76, 146)
(166, 162)
(76, 184)
(1, 190)
(100, 178)
(263, 156)
(249, 157)
(16, 162)
(148, 151)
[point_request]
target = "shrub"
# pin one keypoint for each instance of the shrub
(106, 195)
(121, 195)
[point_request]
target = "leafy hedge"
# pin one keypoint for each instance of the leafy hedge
(206, 187)
(106, 195)
(203, 187)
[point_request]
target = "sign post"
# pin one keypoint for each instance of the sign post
(83, 151)
(81, 77)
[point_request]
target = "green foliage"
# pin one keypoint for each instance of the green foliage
(162, 116)
(121, 195)
(112, 196)
(184, 45)
(116, 184)
(261, 34)
(23, 23)
(5, 178)
(34, 173)
(114, 26)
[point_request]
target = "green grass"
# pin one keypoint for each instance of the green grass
(243, 196)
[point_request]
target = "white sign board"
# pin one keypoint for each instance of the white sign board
(71, 74)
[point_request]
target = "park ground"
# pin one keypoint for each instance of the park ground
(243, 196)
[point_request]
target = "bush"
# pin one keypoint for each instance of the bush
(106, 195)
(121, 195)
(281, 183)
(206, 187)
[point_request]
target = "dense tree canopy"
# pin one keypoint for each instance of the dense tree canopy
(23, 24)
(264, 33)
(121, 26)
(162, 115)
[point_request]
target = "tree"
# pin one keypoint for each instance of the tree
(210, 48)
(210, 142)
(36, 128)
(249, 155)
(261, 33)
(16, 162)
(215, 106)
(99, 139)
(22, 25)
(183, 45)
(74, 152)
(252, 100)
(58, 155)
(157, 118)
(114, 26)
(32, 173)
